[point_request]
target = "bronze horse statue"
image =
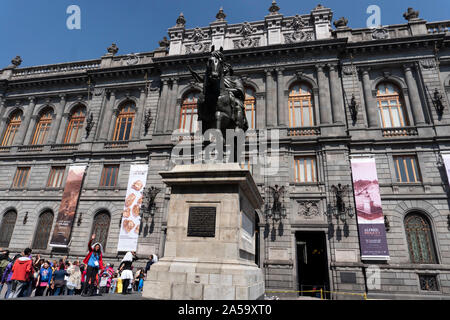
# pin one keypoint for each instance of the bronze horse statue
(221, 104)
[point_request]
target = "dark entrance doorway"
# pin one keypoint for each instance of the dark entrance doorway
(312, 263)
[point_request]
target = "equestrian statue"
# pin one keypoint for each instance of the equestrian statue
(221, 104)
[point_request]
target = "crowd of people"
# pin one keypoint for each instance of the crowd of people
(25, 274)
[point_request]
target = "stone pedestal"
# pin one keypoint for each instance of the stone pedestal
(210, 246)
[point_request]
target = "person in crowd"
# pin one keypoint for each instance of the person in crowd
(43, 279)
(58, 279)
(149, 264)
(21, 269)
(74, 280)
(114, 279)
(31, 286)
(141, 278)
(110, 273)
(4, 261)
(7, 274)
(125, 268)
(83, 276)
(94, 263)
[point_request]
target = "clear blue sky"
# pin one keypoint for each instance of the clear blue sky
(36, 29)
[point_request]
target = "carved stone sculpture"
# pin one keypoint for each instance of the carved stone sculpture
(113, 49)
(411, 14)
(341, 22)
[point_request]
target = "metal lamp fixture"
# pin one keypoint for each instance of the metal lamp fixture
(338, 208)
(149, 205)
(275, 210)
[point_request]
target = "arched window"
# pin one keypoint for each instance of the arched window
(42, 127)
(420, 239)
(13, 126)
(390, 106)
(301, 106)
(250, 103)
(101, 227)
(124, 122)
(43, 229)
(188, 113)
(73, 131)
(7, 228)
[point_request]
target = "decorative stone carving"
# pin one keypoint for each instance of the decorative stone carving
(181, 21)
(246, 30)
(132, 59)
(274, 8)
(411, 14)
(428, 63)
(246, 43)
(98, 91)
(341, 22)
(198, 47)
(380, 34)
(308, 209)
(220, 16)
(348, 70)
(113, 49)
(198, 35)
(298, 36)
(297, 23)
(17, 61)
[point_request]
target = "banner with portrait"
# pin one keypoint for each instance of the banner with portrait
(68, 207)
(131, 215)
(372, 232)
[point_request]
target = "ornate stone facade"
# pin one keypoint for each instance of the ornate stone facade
(341, 66)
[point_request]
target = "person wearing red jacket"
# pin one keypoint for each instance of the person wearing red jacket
(21, 273)
(94, 263)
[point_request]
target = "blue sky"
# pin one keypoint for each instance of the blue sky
(36, 29)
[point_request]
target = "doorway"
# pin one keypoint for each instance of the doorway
(312, 263)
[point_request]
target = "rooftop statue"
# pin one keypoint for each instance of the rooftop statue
(221, 104)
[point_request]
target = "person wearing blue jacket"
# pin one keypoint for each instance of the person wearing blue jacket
(44, 279)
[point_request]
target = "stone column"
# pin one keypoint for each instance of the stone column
(162, 107)
(337, 102)
(324, 96)
(371, 107)
(414, 97)
(176, 117)
(26, 121)
(56, 125)
(106, 121)
(138, 123)
(63, 127)
(271, 101)
(282, 110)
(171, 107)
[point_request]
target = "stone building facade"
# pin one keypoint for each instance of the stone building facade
(331, 93)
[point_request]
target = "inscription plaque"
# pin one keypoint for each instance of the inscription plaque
(202, 222)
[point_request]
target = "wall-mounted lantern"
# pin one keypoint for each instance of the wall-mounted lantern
(340, 206)
(275, 208)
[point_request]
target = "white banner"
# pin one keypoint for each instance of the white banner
(131, 217)
(446, 158)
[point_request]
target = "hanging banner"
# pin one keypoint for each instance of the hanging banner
(446, 158)
(129, 227)
(68, 207)
(372, 233)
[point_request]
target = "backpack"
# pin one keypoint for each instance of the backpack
(3, 264)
